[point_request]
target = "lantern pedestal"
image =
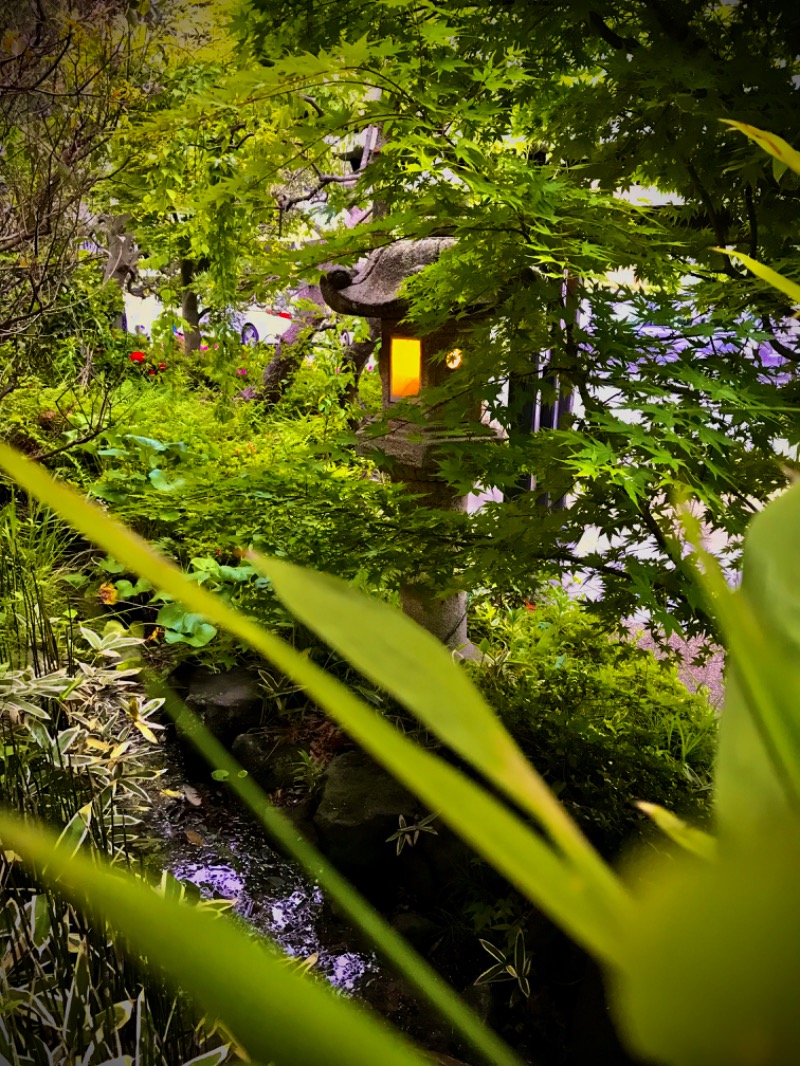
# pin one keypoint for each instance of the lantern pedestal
(444, 617)
(411, 361)
(412, 451)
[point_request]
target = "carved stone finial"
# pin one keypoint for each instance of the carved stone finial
(371, 288)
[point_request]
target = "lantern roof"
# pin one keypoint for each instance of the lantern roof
(371, 287)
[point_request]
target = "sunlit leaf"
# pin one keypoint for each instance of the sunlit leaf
(770, 142)
(416, 669)
(772, 277)
(712, 959)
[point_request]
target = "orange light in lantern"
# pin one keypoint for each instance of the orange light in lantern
(406, 367)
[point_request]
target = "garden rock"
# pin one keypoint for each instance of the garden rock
(271, 764)
(359, 808)
(301, 816)
(228, 703)
(418, 929)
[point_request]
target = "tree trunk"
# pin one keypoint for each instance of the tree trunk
(123, 256)
(356, 357)
(523, 395)
(292, 346)
(190, 310)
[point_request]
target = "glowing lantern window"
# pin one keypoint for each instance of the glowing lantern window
(454, 359)
(406, 367)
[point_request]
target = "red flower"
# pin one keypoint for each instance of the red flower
(137, 357)
(162, 366)
(530, 606)
(151, 371)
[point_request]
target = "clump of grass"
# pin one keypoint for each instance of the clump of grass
(78, 750)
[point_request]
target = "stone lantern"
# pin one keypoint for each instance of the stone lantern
(409, 361)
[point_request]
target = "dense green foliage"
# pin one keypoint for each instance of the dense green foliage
(603, 721)
(78, 752)
(730, 896)
(513, 127)
(245, 150)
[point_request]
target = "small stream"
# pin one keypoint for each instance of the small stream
(204, 839)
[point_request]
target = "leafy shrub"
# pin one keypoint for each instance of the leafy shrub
(603, 721)
(207, 478)
(77, 753)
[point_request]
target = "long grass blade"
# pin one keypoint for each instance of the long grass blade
(234, 977)
(567, 895)
(390, 944)
(416, 669)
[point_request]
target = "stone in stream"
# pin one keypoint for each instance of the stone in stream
(228, 703)
(418, 929)
(360, 807)
(270, 763)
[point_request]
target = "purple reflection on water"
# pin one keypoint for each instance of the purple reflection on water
(271, 895)
(293, 910)
(348, 971)
(219, 881)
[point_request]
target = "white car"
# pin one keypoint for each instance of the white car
(255, 325)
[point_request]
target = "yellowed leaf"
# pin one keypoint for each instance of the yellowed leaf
(770, 142)
(772, 277)
(194, 838)
(98, 745)
(146, 731)
(107, 593)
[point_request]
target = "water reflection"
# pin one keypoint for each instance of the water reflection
(270, 893)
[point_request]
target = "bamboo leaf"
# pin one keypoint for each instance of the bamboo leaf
(74, 833)
(407, 661)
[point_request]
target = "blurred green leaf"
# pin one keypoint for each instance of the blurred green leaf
(771, 594)
(566, 894)
(712, 959)
(236, 978)
(407, 661)
(758, 765)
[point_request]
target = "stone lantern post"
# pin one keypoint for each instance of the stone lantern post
(407, 365)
